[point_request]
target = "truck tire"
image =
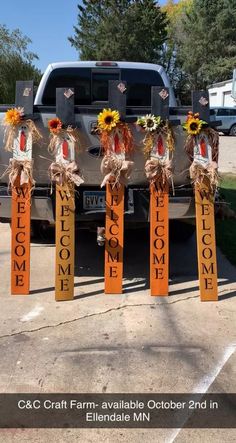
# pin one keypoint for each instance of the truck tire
(233, 130)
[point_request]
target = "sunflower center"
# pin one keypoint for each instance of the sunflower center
(108, 119)
(193, 126)
(150, 123)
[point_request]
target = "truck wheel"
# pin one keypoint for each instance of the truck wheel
(233, 131)
(181, 231)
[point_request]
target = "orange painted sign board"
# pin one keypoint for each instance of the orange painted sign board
(65, 239)
(206, 244)
(20, 239)
(159, 240)
(114, 238)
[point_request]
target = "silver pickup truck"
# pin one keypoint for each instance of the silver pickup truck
(90, 83)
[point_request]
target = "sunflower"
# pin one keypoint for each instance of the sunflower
(54, 125)
(108, 119)
(149, 122)
(14, 116)
(193, 125)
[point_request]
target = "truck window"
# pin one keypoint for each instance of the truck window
(91, 85)
(79, 79)
(100, 85)
(139, 83)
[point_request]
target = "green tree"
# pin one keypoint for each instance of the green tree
(176, 13)
(120, 30)
(16, 62)
(207, 46)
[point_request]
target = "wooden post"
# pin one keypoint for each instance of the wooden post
(65, 249)
(159, 204)
(205, 219)
(65, 205)
(21, 195)
(206, 244)
(20, 239)
(114, 239)
(114, 229)
(159, 240)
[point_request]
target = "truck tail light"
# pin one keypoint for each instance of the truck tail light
(106, 64)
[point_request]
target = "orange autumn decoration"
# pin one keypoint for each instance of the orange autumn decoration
(115, 136)
(54, 125)
(116, 141)
(60, 135)
(202, 147)
(12, 122)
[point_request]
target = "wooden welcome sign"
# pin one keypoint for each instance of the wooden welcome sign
(204, 203)
(114, 239)
(114, 224)
(65, 203)
(159, 203)
(21, 197)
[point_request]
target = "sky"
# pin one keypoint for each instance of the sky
(48, 23)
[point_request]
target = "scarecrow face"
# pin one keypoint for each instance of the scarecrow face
(159, 149)
(202, 150)
(22, 145)
(117, 144)
(65, 150)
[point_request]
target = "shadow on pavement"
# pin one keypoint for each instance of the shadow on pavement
(89, 262)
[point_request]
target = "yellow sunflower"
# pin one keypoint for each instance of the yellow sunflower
(108, 119)
(14, 116)
(193, 125)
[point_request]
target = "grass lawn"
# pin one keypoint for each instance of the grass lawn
(226, 229)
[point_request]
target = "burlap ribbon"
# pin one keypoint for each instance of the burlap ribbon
(21, 168)
(67, 173)
(205, 174)
(158, 172)
(116, 170)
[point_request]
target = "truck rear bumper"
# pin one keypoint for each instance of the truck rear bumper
(181, 206)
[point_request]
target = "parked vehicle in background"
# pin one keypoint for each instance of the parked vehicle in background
(228, 119)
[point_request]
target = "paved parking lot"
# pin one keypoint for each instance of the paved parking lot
(120, 343)
(227, 157)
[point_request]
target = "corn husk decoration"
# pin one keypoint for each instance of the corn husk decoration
(13, 120)
(202, 147)
(22, 169)
(116, 141)
(63, 143)
(158, 148)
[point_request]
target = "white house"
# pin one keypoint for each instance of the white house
(220, 94)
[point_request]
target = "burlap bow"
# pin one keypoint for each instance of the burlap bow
(205, 174)
(157, 172)
(21, 168)
(61, 173)
(116, 170)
